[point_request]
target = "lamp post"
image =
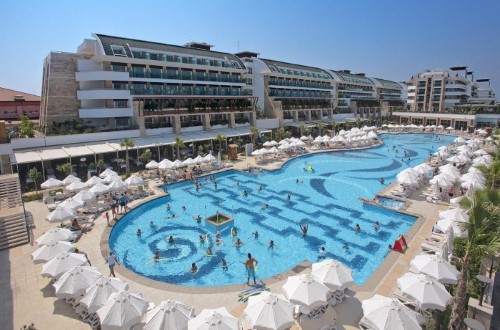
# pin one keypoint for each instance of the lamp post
(485, 281)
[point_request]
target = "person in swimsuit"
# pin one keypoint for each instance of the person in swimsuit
(250, 264)
(224, 265)
(304, 229)
(194, 268)
(111, 260)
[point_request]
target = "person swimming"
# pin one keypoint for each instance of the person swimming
(304, 229)
(271, 245)
(377, 225)
(168, 207)
(202, 239)
(152, 224)
(224, 266)
(183, 208)
(156, 257)
(357, 229)
(209, 251)
(171, 240)
(194, 268)
(322, 253)
(234, 232)
(255, 235)
(139, 232)
(345, 246)
(218, 240)
(289, 196)
(238, 243)
(265, 206)
(245, 194)
(197, 218)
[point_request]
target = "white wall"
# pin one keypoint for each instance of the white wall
(268, 123)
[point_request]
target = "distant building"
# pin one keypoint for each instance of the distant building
(14, 104)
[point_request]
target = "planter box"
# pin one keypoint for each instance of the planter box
(218, 221)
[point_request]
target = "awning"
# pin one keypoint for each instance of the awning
(78, 151)
(49, 154)
(101, 148)
(25, 157)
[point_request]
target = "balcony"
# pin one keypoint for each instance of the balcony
(198, 91)
(191, 76)
(106, 112)
(299, 84)
(102, 94)
(101, 75)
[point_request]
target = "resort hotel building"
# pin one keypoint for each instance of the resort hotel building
(451, 98)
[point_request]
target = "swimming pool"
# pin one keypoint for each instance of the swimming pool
(326, 200)
(390, 203)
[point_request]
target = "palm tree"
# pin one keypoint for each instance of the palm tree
(334, 127)
(178, 144)
(483, 239)
(320, 127)
(66, 168)
(280, 133)
(36, 176)
(302, 129)
(493, 171)
(254, 132)
(100, 165)
(127, 143)
(220, 138)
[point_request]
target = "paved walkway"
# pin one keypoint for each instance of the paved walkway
(27, 297)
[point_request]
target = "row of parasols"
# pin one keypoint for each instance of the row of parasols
(167, 164)
(107, 181)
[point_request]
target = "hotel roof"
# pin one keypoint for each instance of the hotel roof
(294, 66)
(9, 95)
(127, 43)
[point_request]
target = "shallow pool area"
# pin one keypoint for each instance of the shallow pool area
(326, 200)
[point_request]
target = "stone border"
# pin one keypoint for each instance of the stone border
(369, 285)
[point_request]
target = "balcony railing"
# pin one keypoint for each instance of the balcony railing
(304, 84)
(188, 91)
(185, 76)
(299, 94)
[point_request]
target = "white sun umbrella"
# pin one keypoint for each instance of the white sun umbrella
(305, 290)
(480, 152)
(443, 148)
(210, 158)
(473, 169)
(473, 176)
(72, 203)
(152, 165)
(425, 291)
(268, 311)
(70, 179)
(473, 185)
(484, 159)
(51, 183)
(333, 274)
(267, 144)
(49, 251)
(372, 135)
(54, 234)
(177, 163)
(460, 140)
(112, 177)
(423, 168)
(450, 175)
(100, 291)
(76, 186)
(189, 161)
(274, 143)
(84, 196)
(107, 172)
(456, 159)
(457, 214)
(214, 319)
(168, 315)
(165, 165)
(304, 138)
(93, 181)
(123, 310)
(285, 146)
(75, 281)
(61, 263)
(99, 189)
(446, 224)
(199, 160)
(408, 177)
(257, 152)
(134, 180)
(467, 153)
(273, 150)
(441, 180)
(383, 313)
(436, 267)
(60, 214)
(117, 185)
(449, 168)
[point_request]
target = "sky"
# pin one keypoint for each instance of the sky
(390, 39)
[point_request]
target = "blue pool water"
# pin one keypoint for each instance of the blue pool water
(390, 203)
(326, 200)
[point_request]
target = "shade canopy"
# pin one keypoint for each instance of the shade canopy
(61, 263)
(75, 281)
(134, 180)
(168, 315)
(85, 196)
(383, 313)
(70, 179)
(54, 234)
(99, 189)
(305, 290)
(72, 203)
(425, 291)
(269, 311)
(100, 291)
(458, 214)
(436, 267)
(333, 274)
(112, 177)
(107, 172)
(117, 185)
(49, 251)
(152, 165)
(51, 183)
(60, 214)
(76, 186)
(214, 319)
(123, 310)
(93, 181)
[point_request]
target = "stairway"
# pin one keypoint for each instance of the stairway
(13, 229)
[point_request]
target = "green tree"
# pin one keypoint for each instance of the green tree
(100, 165)
(254, 132)
(334, 127)
(320, 127)
(127, 143)
(26, 128)
(65, 168)
(220, 138)
(178, 144)
(280, 133)
(35, 176)
(483, 239)
(302, 129)
(146, 156)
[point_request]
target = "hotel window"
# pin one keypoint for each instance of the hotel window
(118, 50)
(236, 64)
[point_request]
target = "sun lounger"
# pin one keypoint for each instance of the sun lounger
(427, 247)
(324, 321)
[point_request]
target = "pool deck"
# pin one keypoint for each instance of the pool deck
(28, 297)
